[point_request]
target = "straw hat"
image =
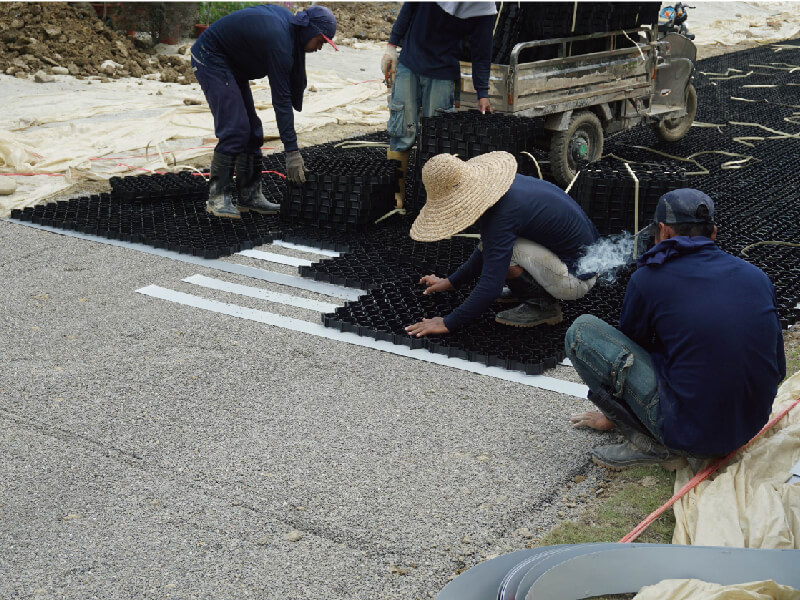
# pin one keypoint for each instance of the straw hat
(460, 192)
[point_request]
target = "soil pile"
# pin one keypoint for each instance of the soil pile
(365, 20)
(69, 38)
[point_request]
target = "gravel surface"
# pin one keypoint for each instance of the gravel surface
(156, 450)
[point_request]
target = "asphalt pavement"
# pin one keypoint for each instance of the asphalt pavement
(153, 450)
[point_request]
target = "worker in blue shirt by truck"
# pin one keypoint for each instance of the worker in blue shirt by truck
(532, 236)
(261, 41)
(694, 366)
(423, 74)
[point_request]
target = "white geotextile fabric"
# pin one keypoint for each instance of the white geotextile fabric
(747, 504)
(694, 589)
(58, 133)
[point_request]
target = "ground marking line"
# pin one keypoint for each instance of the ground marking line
(261, 294)
(276, 258)
(237, 269)
(317, 329)
(310, 285)
(309, 249)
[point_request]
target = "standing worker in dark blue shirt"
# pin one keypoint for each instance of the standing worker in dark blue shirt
(695, 364)
(532, 235)
(262, 41)
(423, 75)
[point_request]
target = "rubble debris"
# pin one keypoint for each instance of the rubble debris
(48, 36)
(365, 20)
(42, 77)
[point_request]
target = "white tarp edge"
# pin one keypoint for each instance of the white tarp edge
(694, 589)
(92, 132)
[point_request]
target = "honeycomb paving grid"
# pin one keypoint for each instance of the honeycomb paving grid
(757, 203)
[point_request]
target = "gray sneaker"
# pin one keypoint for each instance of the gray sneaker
(531, 313)
(618, 457)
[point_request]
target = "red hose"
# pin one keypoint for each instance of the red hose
(275, 172)
(701, 476)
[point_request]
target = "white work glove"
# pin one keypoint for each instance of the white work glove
(389, 64)
(295, 169)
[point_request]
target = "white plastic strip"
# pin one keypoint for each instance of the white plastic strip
(276, 258)
(261, 294)
(327, 289)
(635, 202)
(316, 329)
(309, 249)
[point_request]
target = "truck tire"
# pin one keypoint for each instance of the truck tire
(581, 141)
(671, 130)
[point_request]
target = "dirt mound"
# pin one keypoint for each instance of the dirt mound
(52, 37)
(364, 20)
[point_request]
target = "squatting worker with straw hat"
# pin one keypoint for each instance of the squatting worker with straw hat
(532, 235)
(694, 366)
(261, 41)
(422, 74)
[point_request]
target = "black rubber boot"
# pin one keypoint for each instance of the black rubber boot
(248, 183)
(220, 199)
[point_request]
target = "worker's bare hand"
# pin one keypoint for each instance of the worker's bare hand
(484, 106)
(436, 284)
(593, 420)
(434, 326)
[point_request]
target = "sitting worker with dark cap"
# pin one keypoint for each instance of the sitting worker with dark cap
(532, 235)
(693, 369)
(261, 41)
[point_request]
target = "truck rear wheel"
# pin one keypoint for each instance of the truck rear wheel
(582, 141)
(671, 130)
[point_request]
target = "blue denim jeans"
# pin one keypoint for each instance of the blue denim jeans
(236, 122)
(616, 369)
(410, 92)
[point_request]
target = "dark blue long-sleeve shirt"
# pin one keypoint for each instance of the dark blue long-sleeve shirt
(532, 209)
(259, 42)
(710, 323)
(431, 40)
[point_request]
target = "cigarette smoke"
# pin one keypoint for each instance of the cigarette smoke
(607, 255)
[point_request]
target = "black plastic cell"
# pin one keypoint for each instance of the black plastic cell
(756, 203)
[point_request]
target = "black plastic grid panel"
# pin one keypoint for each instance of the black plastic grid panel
(757, 203)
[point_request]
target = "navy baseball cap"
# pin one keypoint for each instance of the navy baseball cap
(686, 205)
